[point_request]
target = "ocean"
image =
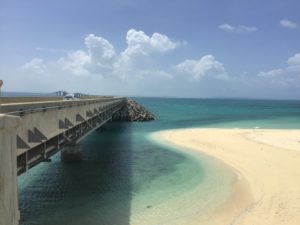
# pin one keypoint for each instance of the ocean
(126, 178)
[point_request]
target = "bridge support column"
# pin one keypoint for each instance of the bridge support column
(71, 153)
(9, 209)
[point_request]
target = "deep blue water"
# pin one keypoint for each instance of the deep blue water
(123, 174)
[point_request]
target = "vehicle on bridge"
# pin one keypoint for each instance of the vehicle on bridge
(70, 97)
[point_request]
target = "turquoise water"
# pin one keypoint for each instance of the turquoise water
(125, 178)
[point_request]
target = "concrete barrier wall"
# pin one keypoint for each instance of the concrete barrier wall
(9, 210)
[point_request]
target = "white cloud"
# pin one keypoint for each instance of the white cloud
(100, 57)
(99, 48)
(136, 58)
(141, 44)
(288, 24)
(271, 73)
(99, 67)
(291, 73)
(75, 63)
(205, 66)
(241, 29)
(227, 27)
(162, 43)
(36, 65)
(294, 63)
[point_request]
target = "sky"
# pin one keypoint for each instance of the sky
(159, 48)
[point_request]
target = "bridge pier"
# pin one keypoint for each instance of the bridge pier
(9, 209)
(71, 153)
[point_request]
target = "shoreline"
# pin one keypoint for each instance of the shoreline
(265, 161)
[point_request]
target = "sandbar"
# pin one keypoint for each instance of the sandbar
(267, 165)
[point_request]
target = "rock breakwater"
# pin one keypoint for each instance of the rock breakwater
(133, 111)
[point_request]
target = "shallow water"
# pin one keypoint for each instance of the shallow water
(125, 178)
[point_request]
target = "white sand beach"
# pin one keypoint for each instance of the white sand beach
(267, 164)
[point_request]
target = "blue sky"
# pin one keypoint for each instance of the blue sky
(181, 48)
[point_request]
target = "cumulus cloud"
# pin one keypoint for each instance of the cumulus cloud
(99, 48)
(100, 57)
(290, 72)
(294, 63)
(36, 65)
(140, 43)
(288, 24)
(241, 29)
(75, 63)
(138, 69)
(205, 66)
(98, 68)
(271, 73)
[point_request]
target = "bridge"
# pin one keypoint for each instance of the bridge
(33, 130)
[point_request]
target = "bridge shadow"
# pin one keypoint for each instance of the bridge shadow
(96, 191)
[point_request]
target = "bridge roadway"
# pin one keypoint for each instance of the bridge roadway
(32, 132)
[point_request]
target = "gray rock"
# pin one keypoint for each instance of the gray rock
(133, 111)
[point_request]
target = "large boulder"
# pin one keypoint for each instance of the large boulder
(133, 111)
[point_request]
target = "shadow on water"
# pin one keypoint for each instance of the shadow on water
(97, 190)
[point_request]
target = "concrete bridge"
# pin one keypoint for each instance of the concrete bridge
(31, 132)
